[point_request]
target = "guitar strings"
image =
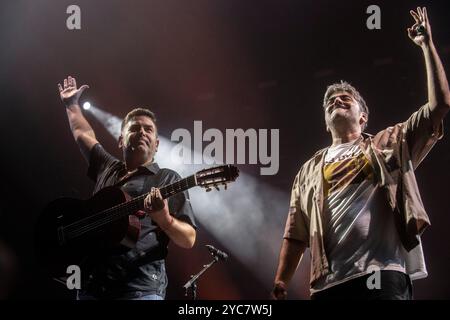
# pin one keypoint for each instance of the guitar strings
(127, 203)
(131, 208)
(134, 204)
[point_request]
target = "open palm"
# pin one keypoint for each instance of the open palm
(69, 93)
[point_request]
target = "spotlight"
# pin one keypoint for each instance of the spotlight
(86, 105)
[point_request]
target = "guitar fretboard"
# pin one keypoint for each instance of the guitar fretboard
(125, 209)
(136, 204)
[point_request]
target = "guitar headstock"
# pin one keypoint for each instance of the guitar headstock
(216, 176)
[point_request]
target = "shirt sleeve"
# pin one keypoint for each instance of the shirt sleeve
(296, 227)
(180, 204)
(99, 161)
(421, 134)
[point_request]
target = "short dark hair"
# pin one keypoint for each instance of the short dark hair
(138, 112)
(347, 87)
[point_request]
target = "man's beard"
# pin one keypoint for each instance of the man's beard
(146, 154)
(342, 121)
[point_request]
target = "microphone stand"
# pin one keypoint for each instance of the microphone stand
(191, 285)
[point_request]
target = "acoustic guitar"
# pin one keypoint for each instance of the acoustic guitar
(70, 229)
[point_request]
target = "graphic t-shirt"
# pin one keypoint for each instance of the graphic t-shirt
(359, 229)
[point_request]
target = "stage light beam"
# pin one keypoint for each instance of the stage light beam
(248, 219)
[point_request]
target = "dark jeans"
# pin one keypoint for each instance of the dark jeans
(394, 285)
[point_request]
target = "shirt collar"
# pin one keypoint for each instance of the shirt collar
(151, 167)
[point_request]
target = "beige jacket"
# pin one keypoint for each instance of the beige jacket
(394, 154)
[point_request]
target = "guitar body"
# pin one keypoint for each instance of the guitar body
(69, 230)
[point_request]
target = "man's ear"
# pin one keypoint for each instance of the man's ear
(157, 145)
(363, 118)
(120, 141)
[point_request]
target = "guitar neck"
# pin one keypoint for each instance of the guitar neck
(136, 204)
(178, 186)
(125, 209)
(206, 178)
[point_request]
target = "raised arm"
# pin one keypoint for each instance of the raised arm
(438, 90)
(81, 129)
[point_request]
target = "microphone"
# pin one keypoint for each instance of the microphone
(217, 253)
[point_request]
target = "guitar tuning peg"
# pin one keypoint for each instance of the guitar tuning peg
(217, 187)
(225, 186)
(208, 189)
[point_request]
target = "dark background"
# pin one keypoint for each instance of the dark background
(231, 64)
